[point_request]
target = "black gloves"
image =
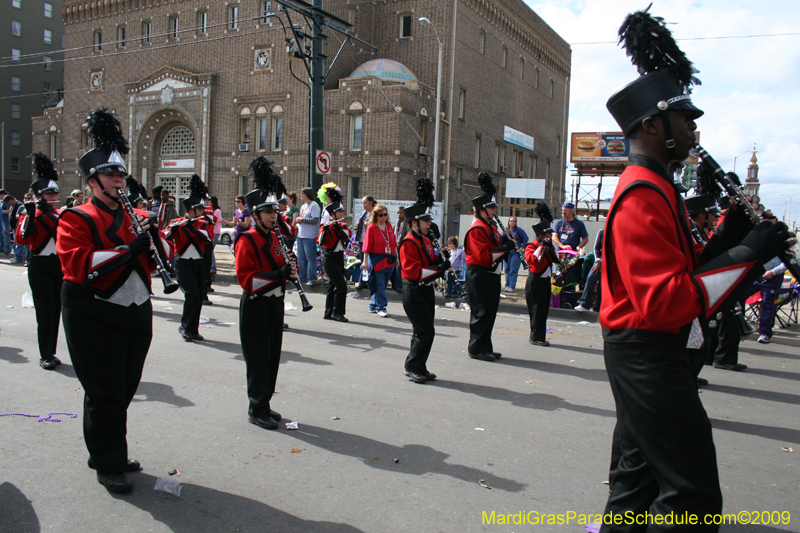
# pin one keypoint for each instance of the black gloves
(30, 209)
(139, 244)
(286, 271)
(767, 240)
(507, 246)
(443, 266)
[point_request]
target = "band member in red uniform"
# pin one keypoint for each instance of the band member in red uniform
(485, 251)
(37, 229)
(190, 236)
(262, 270)
(420, 266)
(540, 255)
(137, 194)
(657, 286)
(334, 236)
(108, 317)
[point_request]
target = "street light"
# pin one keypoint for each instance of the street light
(788, 219)
(738, 156)
(424, 20)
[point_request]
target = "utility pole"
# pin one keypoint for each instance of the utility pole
(314, 59)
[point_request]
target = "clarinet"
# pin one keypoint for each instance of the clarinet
(299, 286)
(737, 195)
(169, 285)
(745, 328)
(461, 292)
(516, 246)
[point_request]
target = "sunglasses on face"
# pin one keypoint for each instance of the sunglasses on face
(383, 214)
(238, 201)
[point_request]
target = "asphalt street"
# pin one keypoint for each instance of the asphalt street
(374, 452)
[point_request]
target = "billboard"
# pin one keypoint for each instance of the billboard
(607, 148)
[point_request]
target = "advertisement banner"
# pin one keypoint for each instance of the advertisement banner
(510, 135)
(610, 147)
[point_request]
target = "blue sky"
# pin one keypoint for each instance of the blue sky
(750, 90)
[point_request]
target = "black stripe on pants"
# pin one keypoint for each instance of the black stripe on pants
(45, 278)
(108, 344)
(191, 278)
(483, 291)
(537, 296)
(418, 303)
(261, 333)
(663, 457)
(333, 264)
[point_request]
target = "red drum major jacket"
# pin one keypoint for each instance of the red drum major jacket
(184, 233)
(539, 256)
(40, 232)
(417, 258)
(334, 236)
(480, 240)
(92, 243)
(258, 261)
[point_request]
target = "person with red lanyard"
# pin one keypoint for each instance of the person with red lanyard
(380, 250)
(334, 236)
(190, 237)
(262, 272)
(106, 309)
(420, 267)
(540, 255)
(658, 285)
(485, 251)
(37, 230)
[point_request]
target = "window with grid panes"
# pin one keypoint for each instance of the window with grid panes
(178, 141)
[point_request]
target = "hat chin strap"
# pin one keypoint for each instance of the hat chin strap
(103, 189)
(668, 134)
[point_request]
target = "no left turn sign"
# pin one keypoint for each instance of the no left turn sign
(323, 162)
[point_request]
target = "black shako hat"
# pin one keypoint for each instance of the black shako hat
(109, 145)
(334, 199)
(421, 210)
(197, 193)
(545, 216)
(136, 190)
(487, 198)
(705, 203)
(46, 174)
(666, 74)
(268, 186)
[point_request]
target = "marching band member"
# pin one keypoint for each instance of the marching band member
(657, 286)
(137, 194)
(37, 229)
(190, 237)
(420, 266)
(334, 237)
(262, 271)
(540, 255)
(108, 317)
(485, 251)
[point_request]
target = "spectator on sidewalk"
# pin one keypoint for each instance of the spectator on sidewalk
(570, 234)
(15, 208)
(5, 230)
(457, 261)
(593, 280)
(241, 218)
(360, 229)
(512, 262)
(307, 224)
(380, 252)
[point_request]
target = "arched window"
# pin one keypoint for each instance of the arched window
(261, 128)
(356, 111)
(277, 128)
(244, 125)
(178, 141)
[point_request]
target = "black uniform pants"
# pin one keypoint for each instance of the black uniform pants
(261, 333)
(537, 296)
(191, 278)
(727, 352)
(45, 277)
(108, 344)
(418, 303)
(333, 264)
(662, 457)
(483, 292)
(208, 254)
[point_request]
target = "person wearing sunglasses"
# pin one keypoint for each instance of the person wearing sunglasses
(380, 250)
(241, 218)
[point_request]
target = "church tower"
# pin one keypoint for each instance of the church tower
(751, 184)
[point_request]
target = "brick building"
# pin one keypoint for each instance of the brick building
(205, 88)
(32, 80)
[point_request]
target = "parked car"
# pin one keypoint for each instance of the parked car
(226, 236)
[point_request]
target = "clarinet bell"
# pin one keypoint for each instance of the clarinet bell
(744, 325)
(170, 285)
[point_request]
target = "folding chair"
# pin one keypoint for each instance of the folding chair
(786, 305)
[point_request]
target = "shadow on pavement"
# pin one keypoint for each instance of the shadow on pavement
(774, 373)
(294, 357)
(591, 374)
(535, 400)
(363, 343)
(158, 392)
(783, 435)
(414, 459)
(204, 509)
(771, 396)
(12, 355)
(18, 514)
(767, 353)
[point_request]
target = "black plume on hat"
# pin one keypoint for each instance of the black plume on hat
(425, 188)
(135, 188)
(734, 178)
(543, 212)
(486, 183)
(651, 47)
(106, 131)
(706, 183)
(197, 189)
(265, 178)
(44, 168)
(333, 194)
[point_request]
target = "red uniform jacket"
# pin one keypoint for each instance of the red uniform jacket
(648, 255)
(41, 230)
(480, 240)
(539, 256)
(258, 260)
(287, 228)
(92, 243)
(184, 233)
(416, 257)
(334, 235)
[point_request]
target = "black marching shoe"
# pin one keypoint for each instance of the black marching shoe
(207, 302)
(702, 382)
(483, 356)
(115, 482)
(430, 376)
(285, 326)
(187, 337)
(275, 415)
(210, 289)
(266, 423)
(131, 466)
(48, 364)
(497, 355)
(736, 367)
(415, 377)
(198, 337)
(340, 318)
(541, 343)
